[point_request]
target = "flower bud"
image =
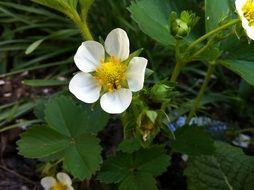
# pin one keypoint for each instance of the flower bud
(179, 29)
(160, 92)
(181, 26)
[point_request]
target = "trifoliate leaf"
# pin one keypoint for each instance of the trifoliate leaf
(81, 154)
(121, 166)
(193, 140)
(228, 168)
(70, 134)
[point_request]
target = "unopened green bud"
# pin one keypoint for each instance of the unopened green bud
(160, 92)
(179, 28)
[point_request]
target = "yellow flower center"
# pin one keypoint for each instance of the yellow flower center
(248, 11)
(59, 186)
(111, 74)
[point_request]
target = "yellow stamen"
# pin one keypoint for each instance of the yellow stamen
(111, 74)
(59, 186)
(248, 11)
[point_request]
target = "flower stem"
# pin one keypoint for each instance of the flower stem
(201, 91)
(82, 25)
(84, 29)
(213, 32)
(178, 65)
(176, 71)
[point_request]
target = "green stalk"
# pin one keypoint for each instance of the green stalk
(85, 31)
(201, 91)
(213, 32)
(201, 50)
(178, 65)
(179, 62)
(82, 25)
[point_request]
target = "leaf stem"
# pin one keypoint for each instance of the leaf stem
(213, 32)
(201, 91)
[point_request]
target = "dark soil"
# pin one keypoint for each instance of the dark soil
(16, 172)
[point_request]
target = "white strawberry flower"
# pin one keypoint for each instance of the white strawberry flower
(245, 9)
(63, 182)
(108, 76)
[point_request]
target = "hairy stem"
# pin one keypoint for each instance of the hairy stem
(213, 32)
(178, 65)
(201, 92)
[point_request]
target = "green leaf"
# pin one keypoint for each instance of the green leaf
(67, 7)
(44, 83)
(152, 18)
(130, 145)
(81, 154)
(228, 168)
(70, 133)
(85, 6)
(39, 108)
(71, 120)
(193, 140)
(152, 161)
(41, 141)
(33, 46)
(235, 49)
(83, 158)
(152, 115)
(215, 12)
(133, 54)
(115, 168)
(138, 181)
(238, 57)
(243, 68)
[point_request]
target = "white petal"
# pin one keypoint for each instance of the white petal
(245, 23)
(64, 178)
(89, 55)
(117, 101)
(239, 4)
(136, 73)
(85, 87)
(117, 44)
(250, 33)
(70, 188)
(48, 182)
